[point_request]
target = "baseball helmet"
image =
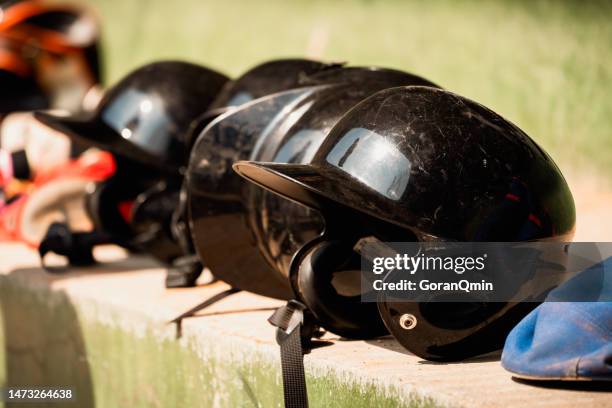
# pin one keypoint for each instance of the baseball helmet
(285, 127)
(145, 117)
(264, 79)
(418, 164)
(144, 121)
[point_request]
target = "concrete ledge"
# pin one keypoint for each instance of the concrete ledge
(104, 331)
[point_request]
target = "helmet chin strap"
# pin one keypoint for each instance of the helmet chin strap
(186, 269)
(296, 326)
(184, 272)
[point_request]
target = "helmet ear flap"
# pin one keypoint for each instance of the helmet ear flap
(325, 275)
(151, 217)
(102, 205)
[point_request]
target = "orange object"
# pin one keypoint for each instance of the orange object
(30, 45)
(14, 25)
(13, 62)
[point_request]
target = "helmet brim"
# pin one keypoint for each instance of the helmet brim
(300, 183)
(311, 186)
(87, 130)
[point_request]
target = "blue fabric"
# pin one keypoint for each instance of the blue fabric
(566, 340)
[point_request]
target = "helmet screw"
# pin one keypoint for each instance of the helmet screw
(408, 321)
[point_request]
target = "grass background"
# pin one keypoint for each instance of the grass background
(545, 65)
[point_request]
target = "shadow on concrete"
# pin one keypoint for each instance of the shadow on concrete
(586, 386)
(128, 264)
(235, 311)
(485, 358)
(41, 332)
(388, 343)
(43, 341)
(179, 322)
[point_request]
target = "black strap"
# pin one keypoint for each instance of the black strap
(290, 320)
(184, 272)
(76, 149)
(21, 166)
(76, 246)
(208, 302)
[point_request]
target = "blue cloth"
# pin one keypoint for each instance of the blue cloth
(566, 340)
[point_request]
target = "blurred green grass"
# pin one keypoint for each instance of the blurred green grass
(545, 65)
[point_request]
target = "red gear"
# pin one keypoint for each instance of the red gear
(52, 194)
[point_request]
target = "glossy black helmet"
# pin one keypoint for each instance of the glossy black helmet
(145, 118)
(266, 79)
(144, 121)
(263, 79)
(227, 225)
(419, 164)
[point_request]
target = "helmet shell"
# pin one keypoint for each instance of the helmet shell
(281, 227)
(286, 127)
(266, 79)
(146, 116)
(438, 164)
(420, 163)
(215, 202)
(143, 121)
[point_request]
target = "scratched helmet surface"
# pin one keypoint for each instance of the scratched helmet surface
(240, 234)
(420, 164)
(264, 79)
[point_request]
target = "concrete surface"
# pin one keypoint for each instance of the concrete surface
(104, 332)
(593, 199)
